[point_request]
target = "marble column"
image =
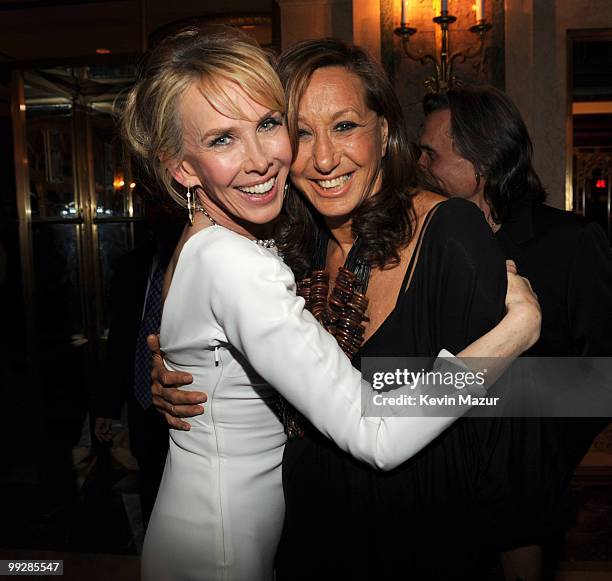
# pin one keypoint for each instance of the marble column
(304, 19)
(366, 26)
(534, 83)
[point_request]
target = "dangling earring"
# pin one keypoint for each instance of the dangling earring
(286, 190)
(190, 206)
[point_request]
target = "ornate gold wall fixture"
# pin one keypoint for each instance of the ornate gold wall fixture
(444, 59)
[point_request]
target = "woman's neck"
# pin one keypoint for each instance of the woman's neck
(342, 235)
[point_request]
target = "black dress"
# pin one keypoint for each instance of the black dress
(438, 515)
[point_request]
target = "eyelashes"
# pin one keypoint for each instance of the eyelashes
(345, 126)
(341, 127)
(270, 123)
(220, 140)
(224, 139)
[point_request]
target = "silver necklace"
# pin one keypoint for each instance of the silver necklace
(265, 243)
(203, 210)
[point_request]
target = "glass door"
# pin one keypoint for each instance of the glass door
(77, 213)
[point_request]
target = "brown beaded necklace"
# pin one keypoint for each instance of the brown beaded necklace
(343, 314)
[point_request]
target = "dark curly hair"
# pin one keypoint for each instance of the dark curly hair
(489, 132)
(384, 221)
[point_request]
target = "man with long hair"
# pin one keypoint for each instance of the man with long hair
(475, 144)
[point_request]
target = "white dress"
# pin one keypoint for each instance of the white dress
(231, 319)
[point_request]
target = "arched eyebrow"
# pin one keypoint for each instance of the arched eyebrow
(337, 114)
(343, 112)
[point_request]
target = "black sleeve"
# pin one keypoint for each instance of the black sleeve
(590, 295)
(467, 282)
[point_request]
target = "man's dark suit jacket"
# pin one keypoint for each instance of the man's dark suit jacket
(127, 296)
(148, 429)
(569, 265)
(568, 262)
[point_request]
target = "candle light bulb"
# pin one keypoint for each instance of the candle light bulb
(480, 10)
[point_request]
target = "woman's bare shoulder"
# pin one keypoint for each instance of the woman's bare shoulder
(424, 201)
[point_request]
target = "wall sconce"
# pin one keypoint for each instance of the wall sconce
(118, 182)
(442, 78)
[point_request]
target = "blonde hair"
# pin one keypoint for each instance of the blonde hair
(150, 122)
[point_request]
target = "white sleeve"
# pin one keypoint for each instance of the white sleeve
(252, 296)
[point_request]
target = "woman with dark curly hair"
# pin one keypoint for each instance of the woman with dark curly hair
(389, 270)
(373, 211)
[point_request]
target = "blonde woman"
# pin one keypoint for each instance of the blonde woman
(208, 114)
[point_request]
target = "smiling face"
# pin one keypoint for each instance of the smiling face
(240, 164)
(341, 144)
